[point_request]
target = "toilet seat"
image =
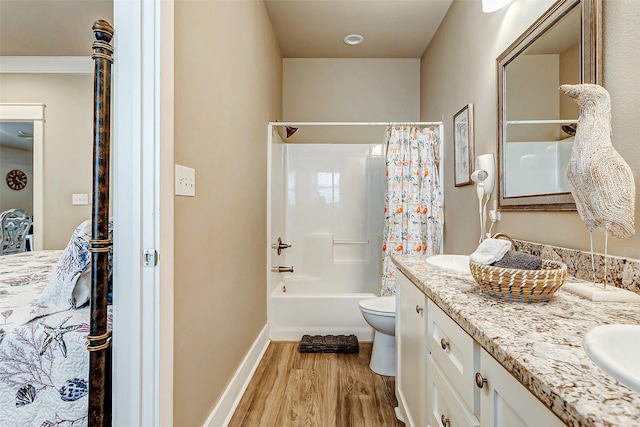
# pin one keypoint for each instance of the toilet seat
(380, 306)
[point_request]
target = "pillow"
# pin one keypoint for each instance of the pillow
(70, 284)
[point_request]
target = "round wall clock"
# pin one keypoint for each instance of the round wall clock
(16, 179)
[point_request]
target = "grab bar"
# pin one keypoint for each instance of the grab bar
(351, 242)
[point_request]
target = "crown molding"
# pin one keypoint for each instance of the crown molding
(46, 64)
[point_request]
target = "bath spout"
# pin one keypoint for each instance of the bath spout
(281, 269)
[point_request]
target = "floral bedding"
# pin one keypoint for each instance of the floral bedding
(44, 364)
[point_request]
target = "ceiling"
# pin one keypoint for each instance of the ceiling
(391, 28)
(50, 27)
(10, 135)
(304, 28)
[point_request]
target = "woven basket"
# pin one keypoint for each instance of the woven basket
(510, 284)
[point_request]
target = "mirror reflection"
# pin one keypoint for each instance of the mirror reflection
(536, 148)
(537, 123)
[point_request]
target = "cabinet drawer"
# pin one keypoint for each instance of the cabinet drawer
(455, 352)
(445, 407)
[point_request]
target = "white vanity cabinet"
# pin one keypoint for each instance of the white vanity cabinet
(445, 378)
(452, 364)
(504, 402)
(410, 352)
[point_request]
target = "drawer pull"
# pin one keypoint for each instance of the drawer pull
(418, 309)
(444, 344)
(480, 380)
(445, 421)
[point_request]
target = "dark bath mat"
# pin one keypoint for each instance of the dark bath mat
(329, 344)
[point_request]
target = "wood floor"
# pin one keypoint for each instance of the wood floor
(316, 390)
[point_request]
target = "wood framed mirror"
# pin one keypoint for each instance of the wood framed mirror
(535, 121)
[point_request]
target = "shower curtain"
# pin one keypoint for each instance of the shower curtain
(413, 199)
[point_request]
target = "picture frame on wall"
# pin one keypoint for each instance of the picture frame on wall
(463, 145)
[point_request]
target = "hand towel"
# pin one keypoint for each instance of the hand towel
(519, 260)
(490, 251)
(593, 292)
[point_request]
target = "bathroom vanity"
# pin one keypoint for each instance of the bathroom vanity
(467, 360)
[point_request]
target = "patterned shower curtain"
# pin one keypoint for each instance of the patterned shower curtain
(413, 199)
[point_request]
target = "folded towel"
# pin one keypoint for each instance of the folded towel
(519, 260)
(597, 293)
(490, 251)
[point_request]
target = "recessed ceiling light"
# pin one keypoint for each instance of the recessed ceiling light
(353, 39)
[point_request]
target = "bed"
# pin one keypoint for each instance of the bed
(55, 320)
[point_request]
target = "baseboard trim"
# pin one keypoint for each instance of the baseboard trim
(222, 413)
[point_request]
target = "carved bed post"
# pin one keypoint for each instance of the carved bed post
(100, 339)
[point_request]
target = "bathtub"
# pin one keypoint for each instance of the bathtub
(306, 305)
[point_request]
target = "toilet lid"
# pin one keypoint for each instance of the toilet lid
(380, 304)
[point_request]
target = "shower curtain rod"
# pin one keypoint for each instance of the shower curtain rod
(540, 122)
(352, 123)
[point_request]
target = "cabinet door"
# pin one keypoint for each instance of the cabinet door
(507, 403)
(411, 352)
(445, 408)
(455, 352)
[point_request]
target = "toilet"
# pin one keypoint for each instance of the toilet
(380, 314)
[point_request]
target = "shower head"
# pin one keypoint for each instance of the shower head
(570, 129)
(290, 131)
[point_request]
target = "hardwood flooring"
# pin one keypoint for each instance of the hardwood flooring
(316, 390)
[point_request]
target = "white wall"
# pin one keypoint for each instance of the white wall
(334, 202)
(12, 158)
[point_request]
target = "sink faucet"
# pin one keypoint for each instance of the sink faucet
(505, 236)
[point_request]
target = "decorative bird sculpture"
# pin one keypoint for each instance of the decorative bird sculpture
(600, 180)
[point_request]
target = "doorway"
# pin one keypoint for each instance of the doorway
(21, 145)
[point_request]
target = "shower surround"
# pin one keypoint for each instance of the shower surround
(327, 202)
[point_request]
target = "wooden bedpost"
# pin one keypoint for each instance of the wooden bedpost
(100, 244)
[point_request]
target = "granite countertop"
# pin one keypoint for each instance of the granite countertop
(540, 343)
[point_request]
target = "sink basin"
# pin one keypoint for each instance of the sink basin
(456, 264)
(616, 350)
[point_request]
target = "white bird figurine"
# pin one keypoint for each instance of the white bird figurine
(601, 181)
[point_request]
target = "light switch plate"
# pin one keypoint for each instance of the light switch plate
(185, 181)
(80, 199)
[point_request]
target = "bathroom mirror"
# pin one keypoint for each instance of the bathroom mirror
(536, 123)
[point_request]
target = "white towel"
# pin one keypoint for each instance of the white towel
(593, 292)
(490, 251)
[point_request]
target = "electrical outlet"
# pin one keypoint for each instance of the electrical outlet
(185, 181)
(80, 199)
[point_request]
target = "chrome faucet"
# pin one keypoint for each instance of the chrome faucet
(280, 246)
(505, 236)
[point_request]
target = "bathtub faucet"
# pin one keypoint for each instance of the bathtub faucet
(280, 246)
(281, 269)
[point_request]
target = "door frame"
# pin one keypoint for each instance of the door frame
(143, 211)
(142, 126)
(34, 113)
